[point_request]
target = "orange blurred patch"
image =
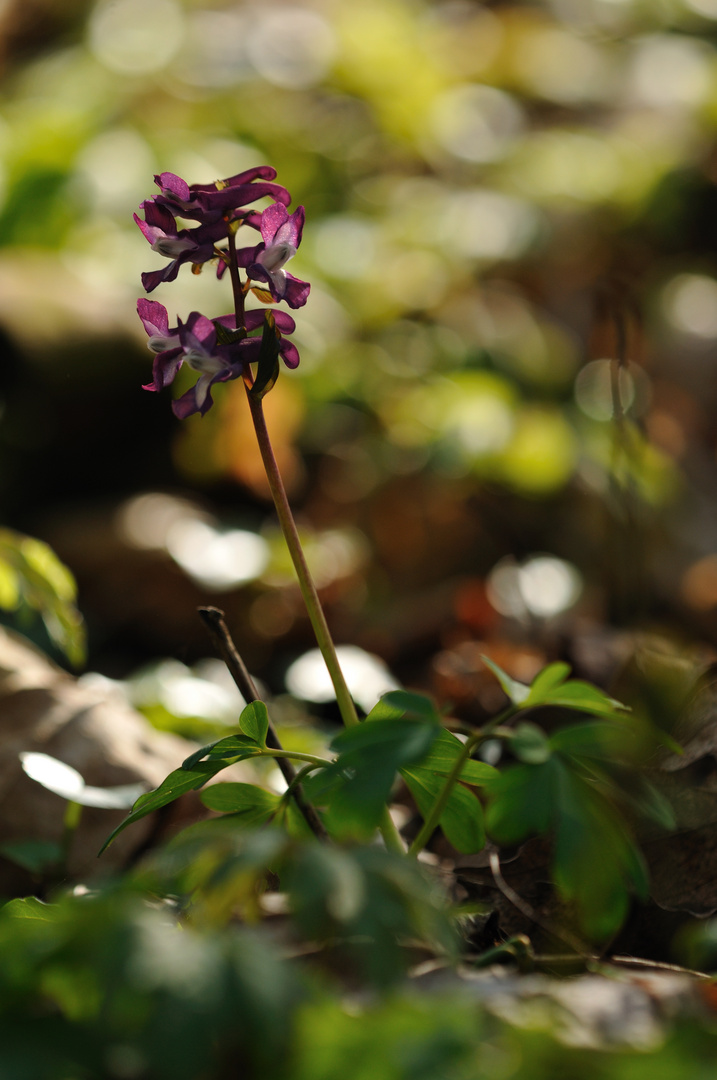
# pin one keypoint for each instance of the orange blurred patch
(235, 447)
(699, 584)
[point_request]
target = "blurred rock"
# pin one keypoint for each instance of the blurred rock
(44, 709)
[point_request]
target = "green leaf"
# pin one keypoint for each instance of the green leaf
(225, 336)
(234, 747)
(600, 739)
(546, 681)
(33, 855)
(462, 818)
(32, 578)
(177, 783)
(9, 586)
(595, 860)
(263, 294)
(400, 704)
(442, 757)
(530, 744)
(254, 722)
(357, 786)
(596, 863)
(522, 802)
(252, 804)
(517, 692)
(289, 817)
(585, 697)
(267, 371)
(29, 907)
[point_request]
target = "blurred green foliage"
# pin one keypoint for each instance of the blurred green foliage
(34, 582)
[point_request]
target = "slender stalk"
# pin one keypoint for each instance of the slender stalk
(306, 583)
(308, 589)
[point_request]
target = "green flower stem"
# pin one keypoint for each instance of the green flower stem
(310, 595)
(308, 589)
(306, 582)
(431, 822)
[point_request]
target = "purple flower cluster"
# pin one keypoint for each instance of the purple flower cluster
(220, 349)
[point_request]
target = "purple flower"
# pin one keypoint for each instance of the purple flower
(281, 233)
(211, 202)
(284, 324)
(214, 362)
(162, 341)
(197, 342)
(178, 245)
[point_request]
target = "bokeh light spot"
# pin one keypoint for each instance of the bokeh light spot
(291, 46)
(135, 37)
(366, 675)
(690, 303)
(543, 586)
(217, 559)
(594, 389)
(477, 123)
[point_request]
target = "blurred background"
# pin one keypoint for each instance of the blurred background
(500, 437)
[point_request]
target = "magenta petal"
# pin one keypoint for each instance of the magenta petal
(290, 232)
(289, 353)
(259, 172)
(154, 317)
(200, 326)
(187, 404)
(231, 198)
(247, 256)
(284, 321)
(297, 292)
(153, 278)
(173, 185)
(271, 221)
(255, 318)
(158, 216)
(165, 367)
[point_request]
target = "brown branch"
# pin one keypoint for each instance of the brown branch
(213, 619)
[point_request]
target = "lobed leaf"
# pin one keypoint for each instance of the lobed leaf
(462, 818)
(530, 744)
(254, 722)
(357, 786)
(252, 804)
(442, 757)
(517, 692)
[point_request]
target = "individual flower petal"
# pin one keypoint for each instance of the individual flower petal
(154, 317)
(162, 341)
(284, 324)
(259, 172)
(296, 292)
(280, 227)
(289, 353)
(281, 233)
(186, 245)
(199, 397)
